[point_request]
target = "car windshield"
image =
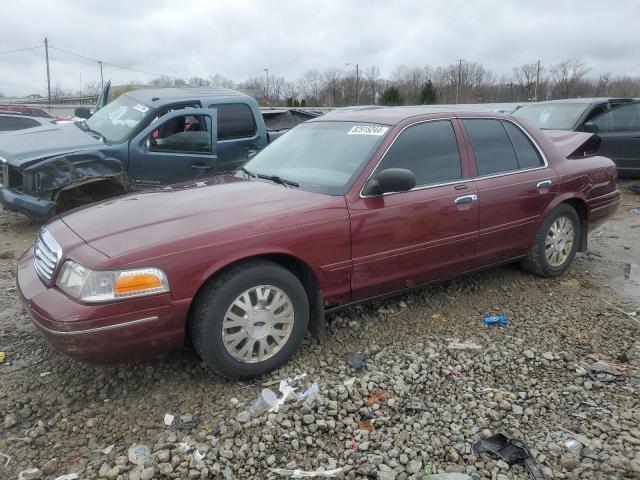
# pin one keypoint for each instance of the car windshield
(553, 116)
(118, 119)
(322, 157)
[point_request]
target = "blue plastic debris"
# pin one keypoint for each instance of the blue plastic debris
(500, 320)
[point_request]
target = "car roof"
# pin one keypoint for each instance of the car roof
(581, 100)
(151, 95)
(395, 115)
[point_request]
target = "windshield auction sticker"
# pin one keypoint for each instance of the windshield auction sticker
(367, 130)
(141, 108)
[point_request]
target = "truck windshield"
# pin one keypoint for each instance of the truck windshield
(322, 157)
(118, 119)
(553, 116)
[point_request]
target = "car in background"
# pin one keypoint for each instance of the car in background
(30, 110)
(10, 121)
(344, 208)
(615, 120)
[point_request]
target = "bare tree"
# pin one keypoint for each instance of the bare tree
(525, 79)
(310, 84)
(331, 86)
(566, 75)
(218, 80)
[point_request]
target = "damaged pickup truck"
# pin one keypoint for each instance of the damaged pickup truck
(145, 138)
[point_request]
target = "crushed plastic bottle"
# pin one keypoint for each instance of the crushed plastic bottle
(491, 320)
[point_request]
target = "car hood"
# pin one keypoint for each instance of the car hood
(22, 146)
(174, 217)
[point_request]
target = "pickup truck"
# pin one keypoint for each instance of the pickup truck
(145, 138)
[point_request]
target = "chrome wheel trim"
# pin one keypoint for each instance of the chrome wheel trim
(258, 323)
(559, 241)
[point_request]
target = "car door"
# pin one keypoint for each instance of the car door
(407, 238)
(619, 132)
(178, 146)
(515, 185)
(238, 135)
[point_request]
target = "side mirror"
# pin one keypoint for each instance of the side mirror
(391, 180)
(82, 112)
(590, 127)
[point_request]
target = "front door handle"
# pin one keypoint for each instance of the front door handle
(465, 199)
(543, 184)
(200, 166)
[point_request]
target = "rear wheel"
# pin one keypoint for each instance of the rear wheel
(556, 243)
(250, 320)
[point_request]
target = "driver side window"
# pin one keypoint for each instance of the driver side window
(184, 133)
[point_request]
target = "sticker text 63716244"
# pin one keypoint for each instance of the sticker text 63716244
(375, 130)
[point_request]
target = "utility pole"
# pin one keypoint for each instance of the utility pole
(46, 54)
(266, 71)
(535, 91)
(459, 79)
(101, 77)
(357, 81)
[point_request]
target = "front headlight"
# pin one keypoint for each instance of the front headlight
(101, 286)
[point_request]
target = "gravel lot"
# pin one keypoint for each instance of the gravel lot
(416, 407)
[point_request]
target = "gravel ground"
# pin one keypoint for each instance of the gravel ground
(416, 407)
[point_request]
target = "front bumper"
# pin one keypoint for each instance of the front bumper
(33, 207)
(116, 332)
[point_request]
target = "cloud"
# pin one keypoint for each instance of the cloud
(239, 38)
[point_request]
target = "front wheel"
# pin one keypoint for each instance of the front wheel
(250, 320)
(556, 243)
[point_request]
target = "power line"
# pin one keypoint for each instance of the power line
(21, 50)
(112, 64)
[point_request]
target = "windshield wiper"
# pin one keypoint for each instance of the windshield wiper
(280, 180)
(85, 127)
(244, 170)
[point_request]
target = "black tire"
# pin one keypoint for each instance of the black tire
(536, 262)
(215, 299)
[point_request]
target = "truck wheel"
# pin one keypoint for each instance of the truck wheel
(556, 243)
(250, 320)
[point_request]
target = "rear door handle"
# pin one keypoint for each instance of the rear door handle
(200, 166)
(543, 184)
(465, 199)
(636, 139)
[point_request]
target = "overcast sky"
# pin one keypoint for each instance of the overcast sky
(238, 39)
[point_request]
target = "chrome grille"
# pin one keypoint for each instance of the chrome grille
(46, 255)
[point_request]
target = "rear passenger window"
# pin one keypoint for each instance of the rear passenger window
(528, 155)
(491, 145)
(429, 150)
(235, 120)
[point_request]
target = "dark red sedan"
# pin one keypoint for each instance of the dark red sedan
(344, 208)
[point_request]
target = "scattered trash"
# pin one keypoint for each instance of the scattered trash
(30, 474)
(415, 406)
(197, 456)
(312, 390)
(139, 454)
(297, 473)
(632, 315)
(354, 444)
(44, 374)
(464, 346)
(635, 211)
(453, 476)
(428, 469)
(68, 476)
(635, 188)
(491, 320)
(184, 447)
(510, 450)
(601, 371)
(168, 419)
(574, 446)
(349, 382)
(1, 357)
(357, 360)
(450, 371)
(266, 400)
(440, 317)
(106, 450)
(7, 457)
(366, 425)
(376, 395)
